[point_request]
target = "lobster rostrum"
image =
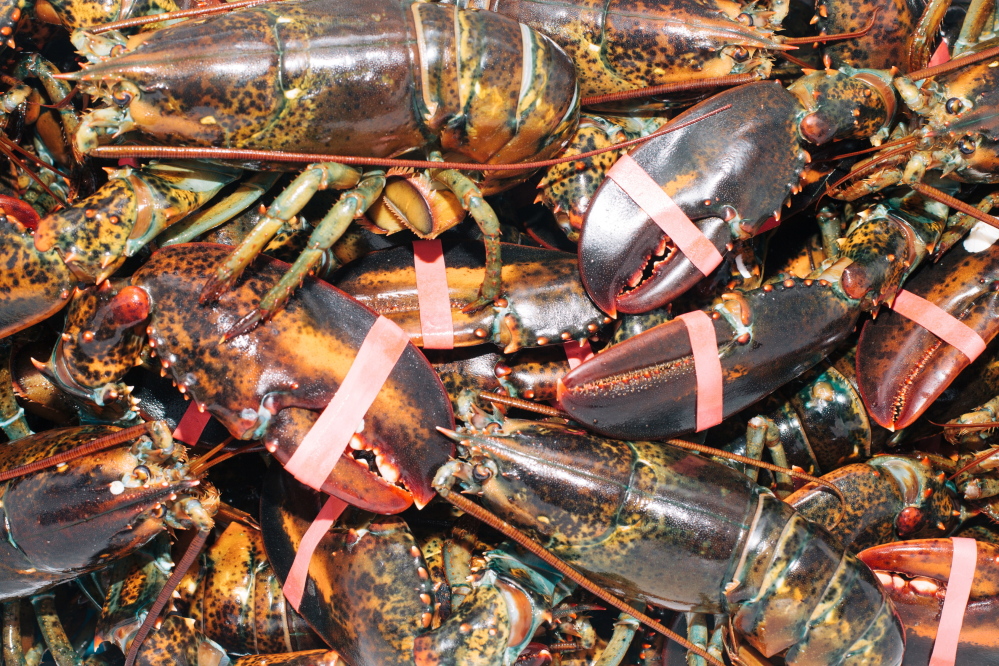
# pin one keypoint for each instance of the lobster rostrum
(916, 576)
(543, 302)
(328, 80)
(659, 524)
(728, 174)
(64, 521)
(271, 383)
(645, 387)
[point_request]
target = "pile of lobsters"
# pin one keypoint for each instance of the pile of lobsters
(706, 381)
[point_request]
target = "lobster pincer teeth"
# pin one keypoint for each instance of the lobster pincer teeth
(633, 266)
(647, 386)
(905, 366)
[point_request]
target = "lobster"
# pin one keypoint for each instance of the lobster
(528, 315)
(918, 573)
(627, 262)
(665, 526)
(270, 383)
(415, 79)
(645, 387)
(88, 241)
(954, 130)
(490, 627)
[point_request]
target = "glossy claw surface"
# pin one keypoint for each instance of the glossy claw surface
(645, 387)
(626, 261)
(902, 367)
(273, 381)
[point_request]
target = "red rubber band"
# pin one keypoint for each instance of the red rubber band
(940, 323)
(707, 368)
(191, 425)
(940, 56)
(962, 573)
(326, 441)
(294, 584)
(658, 205)
(576, 353)
(432, 292)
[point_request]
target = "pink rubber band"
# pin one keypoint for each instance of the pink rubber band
(940, 323)
(432, 292)
(191, 425)
(577, 353)
(658, 205)
(940, 56)
(962, 573)
(326, 441)
(707, 368)
(294, 584)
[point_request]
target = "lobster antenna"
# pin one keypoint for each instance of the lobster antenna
(5, 144)
(866, 167)
(170, 16)
(564, 568)
(204, 460)
(978, 460)
(884, 146)
(820, 39)
(193, 550)
(669, 88)
(98, 444)
(701, 448)
(956, 63)
(956, 204)
(243, 154)
(528, 405)
(202, 464)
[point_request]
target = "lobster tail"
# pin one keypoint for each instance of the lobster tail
(813, 598)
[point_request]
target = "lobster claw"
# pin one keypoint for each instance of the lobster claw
(905, 366)
(926, 563)
(273, 382)
(645, 387)
(626, 261)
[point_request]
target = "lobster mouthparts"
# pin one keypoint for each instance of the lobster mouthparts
(904, 366)
(626, 261)
(272, 382)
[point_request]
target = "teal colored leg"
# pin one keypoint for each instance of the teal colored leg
(52, 631)
(762, 429)
(248, 192)
(316, 177)
(351, 206)
(13, 653)
(11, 415)
(697, 633)
(617, 647)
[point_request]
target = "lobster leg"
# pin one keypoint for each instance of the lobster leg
(329, 230)
(471, 200)
(53, 632)
(317, 177)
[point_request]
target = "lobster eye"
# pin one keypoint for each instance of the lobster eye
(141, 473)
(158, 511)
(744, 19)
(481, 473)
(967, 145)
(121, 96)
(954, 105)
(740, 55)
